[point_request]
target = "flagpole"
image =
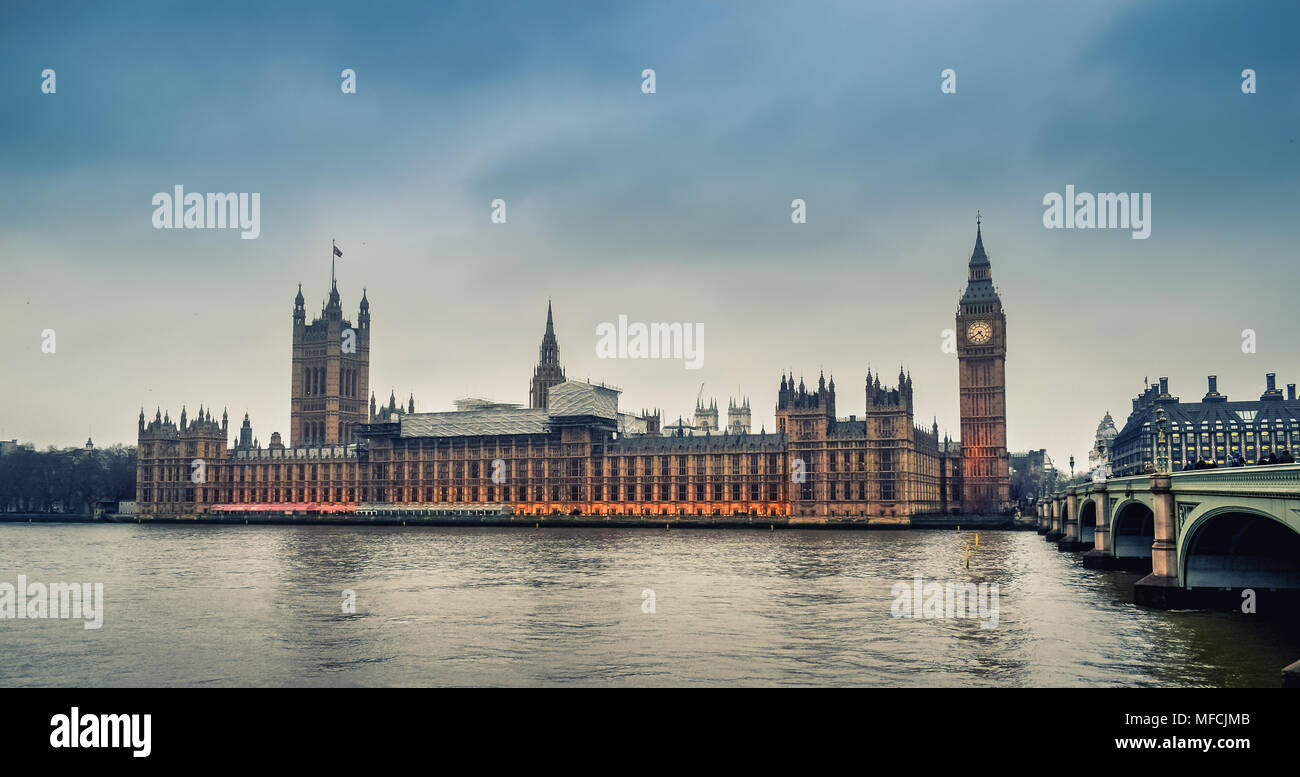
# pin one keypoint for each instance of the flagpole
(333, 248)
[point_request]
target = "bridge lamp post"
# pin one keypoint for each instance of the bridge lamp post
(1162, 441)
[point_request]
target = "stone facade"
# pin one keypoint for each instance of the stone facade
(330, 373)
(981, 357)
(572, 452)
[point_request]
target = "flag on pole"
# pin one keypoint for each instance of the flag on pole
(337, 252)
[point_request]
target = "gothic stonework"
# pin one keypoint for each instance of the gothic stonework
(981, 359)
(572, 452)
(548, 371)
(331, 373)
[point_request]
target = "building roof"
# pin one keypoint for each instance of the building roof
(978, 256)
(979, 289)
(697, 443)
(475, 423)
(855, 428)
(1213, 411)
(571, 399)
(576, 398)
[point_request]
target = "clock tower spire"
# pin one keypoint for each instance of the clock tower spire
(981, 360)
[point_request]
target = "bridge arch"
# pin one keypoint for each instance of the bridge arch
(1133, 529)
(1088, 521)
(1239, 547)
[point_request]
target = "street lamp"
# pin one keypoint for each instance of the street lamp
(1162, 448)
(1071, 468)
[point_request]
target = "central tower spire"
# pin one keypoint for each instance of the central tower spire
(548, 372)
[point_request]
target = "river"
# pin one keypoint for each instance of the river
(264, 606)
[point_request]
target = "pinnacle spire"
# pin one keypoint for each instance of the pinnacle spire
(978, 256)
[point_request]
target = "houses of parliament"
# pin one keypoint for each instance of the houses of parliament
(572, 451)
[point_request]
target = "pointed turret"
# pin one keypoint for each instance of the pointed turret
(245, 434)
(979, 281)
(548, 372)
(978, 256)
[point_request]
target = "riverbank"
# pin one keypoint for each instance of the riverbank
(398, 518)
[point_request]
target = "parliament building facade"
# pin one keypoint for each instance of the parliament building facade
(571, 451)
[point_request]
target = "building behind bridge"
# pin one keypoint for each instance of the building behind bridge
(1214, 429)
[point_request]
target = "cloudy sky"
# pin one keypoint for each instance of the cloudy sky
(665, 207)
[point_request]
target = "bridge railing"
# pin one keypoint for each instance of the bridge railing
(1271, 478)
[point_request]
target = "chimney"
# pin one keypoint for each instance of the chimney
(1213, 394)
(1290, 391)
(1272, 381)
(1164, 386)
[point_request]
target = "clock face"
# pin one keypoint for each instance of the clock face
(979, 332)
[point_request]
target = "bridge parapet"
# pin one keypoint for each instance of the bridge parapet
(1280, 480)
(1274, 480)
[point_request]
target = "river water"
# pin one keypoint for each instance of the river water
(255, 606)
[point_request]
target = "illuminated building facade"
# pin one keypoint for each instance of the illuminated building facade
(570, 452)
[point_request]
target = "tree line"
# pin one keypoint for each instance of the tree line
(70, 480)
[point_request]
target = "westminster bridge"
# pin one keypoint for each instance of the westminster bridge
(1207, 538)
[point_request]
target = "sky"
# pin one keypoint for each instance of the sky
(673, 206)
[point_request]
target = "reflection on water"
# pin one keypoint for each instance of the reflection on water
(235, 605)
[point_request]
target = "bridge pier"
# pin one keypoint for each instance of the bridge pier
(1161, 588)
(1226, 540)
(1055, 533)
(1044, 524)
(1101, 552)
(1072, 542)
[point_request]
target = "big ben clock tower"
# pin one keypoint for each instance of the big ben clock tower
(981, 359)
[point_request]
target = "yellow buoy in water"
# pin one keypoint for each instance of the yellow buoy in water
(977, 540)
